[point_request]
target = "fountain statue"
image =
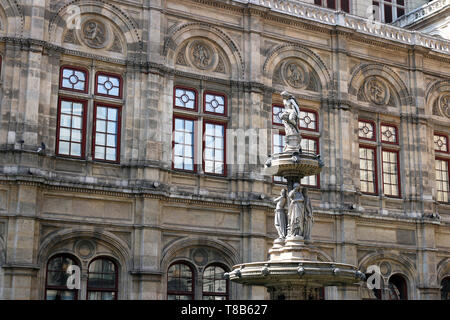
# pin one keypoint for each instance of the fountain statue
(294, 271)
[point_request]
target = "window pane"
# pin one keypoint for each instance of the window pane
(61, 294)
(64, 148)
(185, 98)
(390, 173)
(308, 120)
(442, 180)
(367, 170)
(184, 144)
(214, 103)
(366, 130)
(73, 79)
(440, 143)
(102, 274)
(388, 134)
(214, 143)
(180, 278)
(75, 150)
(108, 85)
(64, 134)
(101, 113)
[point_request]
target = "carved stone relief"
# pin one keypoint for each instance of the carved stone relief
(444, 104)
(203, 55)
(376, 91)
(85, 248)
(295, 74)
(95, 34)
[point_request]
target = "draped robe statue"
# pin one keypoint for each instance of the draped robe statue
(280, 215)
(309, 219)
(296, 212)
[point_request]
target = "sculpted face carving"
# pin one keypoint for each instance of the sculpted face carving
(295, 75)
(95, 34)
(377, 91)
(445, 105)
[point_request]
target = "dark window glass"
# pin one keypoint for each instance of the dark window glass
(345, 5)
(180, 282)
(56, 280)
(331, 4)
(215, 286)
(102, 280)
(387, 13)
(445, 289)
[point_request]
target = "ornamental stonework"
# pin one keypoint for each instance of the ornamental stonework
(202, 55)
(444, 105)
(376, 91)
(295, 74)
(95, 34)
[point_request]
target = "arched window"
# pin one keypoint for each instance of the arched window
(215, 286)
(397, 288)
(102, 280)
(180, 282)
(445, 289)
(56, 279)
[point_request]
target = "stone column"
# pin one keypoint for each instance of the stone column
(20, 269)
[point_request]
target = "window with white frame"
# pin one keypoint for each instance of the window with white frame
(343, 5)
(389, 10)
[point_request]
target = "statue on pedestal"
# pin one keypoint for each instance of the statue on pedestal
(290, 119)
(309, 219)
(296, 212)
(280, 215)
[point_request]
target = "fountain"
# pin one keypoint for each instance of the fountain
(293, 271)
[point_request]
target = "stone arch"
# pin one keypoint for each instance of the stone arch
(434, 92)
(230, 255)
(121, 21)
(366, 71)
(13, 19)
(179, 34)
(286, 51)
(105, 244)
(399, 264)
(443, 269)
(117, 245)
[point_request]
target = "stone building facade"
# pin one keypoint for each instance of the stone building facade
(107, 114)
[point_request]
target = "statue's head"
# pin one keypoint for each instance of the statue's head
(296, 186)
(286, 95)
(283, 192)
(305, 191)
